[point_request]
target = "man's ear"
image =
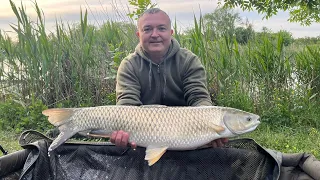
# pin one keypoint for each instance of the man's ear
(171, 31)
(138, 34)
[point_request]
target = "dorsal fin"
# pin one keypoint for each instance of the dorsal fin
(58, 116)
(153, 106)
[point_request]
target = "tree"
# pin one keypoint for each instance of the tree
(302, 11)
(286, 36)
(244, 33)
(221, 23)
(140, 6)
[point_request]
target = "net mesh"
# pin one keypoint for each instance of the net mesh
(239, 159)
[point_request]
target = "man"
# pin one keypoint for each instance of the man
(160, 72)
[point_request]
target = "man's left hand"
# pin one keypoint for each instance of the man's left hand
(218, 142)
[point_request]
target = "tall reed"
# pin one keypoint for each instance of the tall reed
(262, 76)
(76, 66)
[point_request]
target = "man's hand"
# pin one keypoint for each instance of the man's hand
(121, 139)
(218, 142)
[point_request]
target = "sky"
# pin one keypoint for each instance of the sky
(68, 11)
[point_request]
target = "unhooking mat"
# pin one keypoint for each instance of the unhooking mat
(239, 159)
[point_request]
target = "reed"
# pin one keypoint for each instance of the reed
(76, 66)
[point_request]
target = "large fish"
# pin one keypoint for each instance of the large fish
(156, 127)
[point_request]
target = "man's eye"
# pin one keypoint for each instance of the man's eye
(162, 29)
(146, 29)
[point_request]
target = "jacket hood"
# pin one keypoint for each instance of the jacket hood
(173, 49)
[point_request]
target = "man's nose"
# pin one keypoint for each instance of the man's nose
(155, 33)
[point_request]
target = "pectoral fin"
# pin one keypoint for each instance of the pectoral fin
(216, 128)
(99, 133)
(153, 154)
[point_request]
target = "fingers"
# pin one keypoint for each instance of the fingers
(224, 140)
(113, 137)
(219, 142)
(133, 145)
(124, 139)
(214, 144)
(121, 139)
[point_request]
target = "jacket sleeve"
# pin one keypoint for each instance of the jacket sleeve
(127, 87)
(194, 83)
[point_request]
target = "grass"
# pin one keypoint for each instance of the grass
(9, 141)
(282, 139)
(288, 140)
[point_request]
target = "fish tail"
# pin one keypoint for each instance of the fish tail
(61, 117)
(58, 116)
(62, 137)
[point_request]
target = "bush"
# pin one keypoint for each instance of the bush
(11, 113)
(16, 117)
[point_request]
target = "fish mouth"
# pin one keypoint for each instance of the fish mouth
(252, 128)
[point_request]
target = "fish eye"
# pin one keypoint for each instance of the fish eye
(249, 119)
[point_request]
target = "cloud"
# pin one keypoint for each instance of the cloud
(187, 7)
(182, 10)
(280, 22)
(65, 10)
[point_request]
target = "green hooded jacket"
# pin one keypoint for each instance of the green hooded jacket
(178, 80)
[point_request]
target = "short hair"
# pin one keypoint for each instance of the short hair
(152, 11)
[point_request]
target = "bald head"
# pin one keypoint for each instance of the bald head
(153, 11)
(154, 32)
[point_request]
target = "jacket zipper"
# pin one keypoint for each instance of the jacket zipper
(160, 88)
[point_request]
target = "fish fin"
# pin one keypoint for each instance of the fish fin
(154, 106)
(95, 132)
(66, 132)
(84, 133)
(153, 154)
(216, 128)
(99, 133)
(58, 116)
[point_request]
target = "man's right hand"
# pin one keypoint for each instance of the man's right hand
(121, 139)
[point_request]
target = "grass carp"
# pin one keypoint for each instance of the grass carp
(156, 127)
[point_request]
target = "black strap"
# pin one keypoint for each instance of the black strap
(3, 151)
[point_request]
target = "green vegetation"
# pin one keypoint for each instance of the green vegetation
(15, 117)
(9, 141)
(304, 12)
(288, 140)
(267, 73)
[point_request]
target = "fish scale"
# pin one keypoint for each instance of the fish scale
(156, 127)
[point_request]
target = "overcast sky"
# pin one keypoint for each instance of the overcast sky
(183, 10)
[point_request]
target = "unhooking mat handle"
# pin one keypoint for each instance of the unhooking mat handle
(3, 151)
(13, 162)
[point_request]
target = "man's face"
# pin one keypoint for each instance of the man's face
(155, 33)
